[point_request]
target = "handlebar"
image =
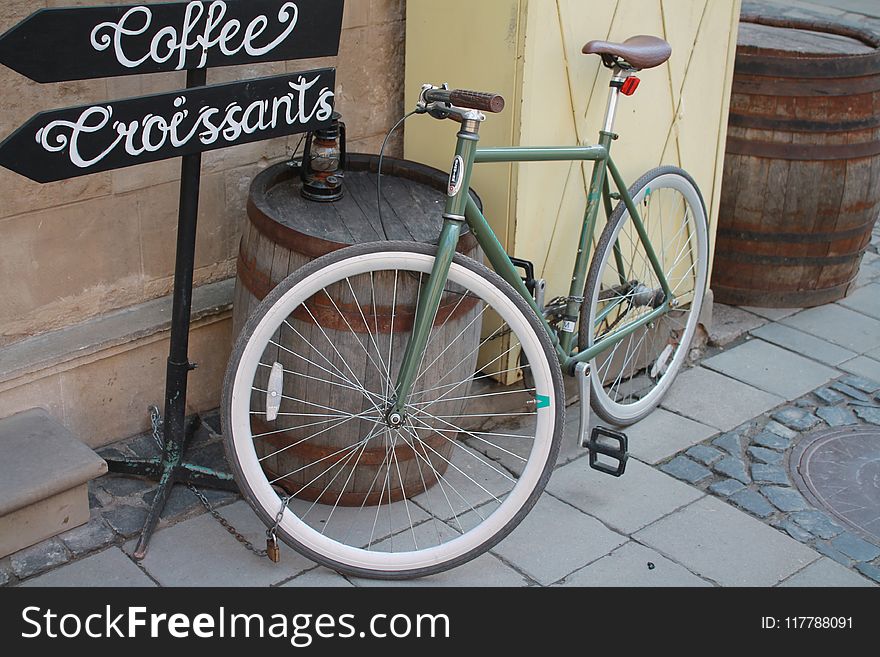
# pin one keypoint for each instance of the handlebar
(478, 100)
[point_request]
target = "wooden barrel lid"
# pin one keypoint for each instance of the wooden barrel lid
(799, 42)
(413, 197)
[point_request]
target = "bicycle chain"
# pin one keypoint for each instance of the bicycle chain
(156, 424)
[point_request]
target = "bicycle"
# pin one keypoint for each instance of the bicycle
(423, 464)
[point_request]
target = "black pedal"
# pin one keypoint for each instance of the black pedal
(611, 444)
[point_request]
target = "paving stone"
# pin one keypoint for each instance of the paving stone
(730, 322)
(212, 420)
(837, 416)
(869, 368)
(554, 523)
(39, 558)
(842, 326)
(731, 443)
(109, 568)
(628, 566)
(824, 572)
(785, 499)
(770, 440)
(865, 300)
(856, 548)
(765, 455)
(733, 468)
(773, 314)
(662, 434)
(795, 418)
(625, 504)
(93, 535)
(199, 552)
(806, 404)
(829, 396)
(772, 474)
(780, 430)
(125, 519)
(726, 487)
(831, 553)
(850, 391)
(795, 531)
(771, 368)
(817, 523)
(804, 344)
(124, 486)
(716, 400)
(752, 502)
(861, 383)
(683, 468)
(5, 575)
(318, 578)
(704, 454)
(180, 502)
(868, 414)
(869, 570)
(718, 542)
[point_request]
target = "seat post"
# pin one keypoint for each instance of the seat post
(618, 77)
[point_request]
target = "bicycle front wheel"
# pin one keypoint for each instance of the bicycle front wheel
(308, 432)
(630, 378)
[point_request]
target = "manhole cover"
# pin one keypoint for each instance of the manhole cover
(839, 469)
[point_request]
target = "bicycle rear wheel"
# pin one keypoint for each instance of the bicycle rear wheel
(306, 402)
(630, 378)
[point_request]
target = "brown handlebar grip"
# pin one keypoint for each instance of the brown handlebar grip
(478, 100)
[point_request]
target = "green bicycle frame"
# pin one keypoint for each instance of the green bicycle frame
(460, 208)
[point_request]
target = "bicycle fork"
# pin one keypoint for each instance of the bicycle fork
(432, 290)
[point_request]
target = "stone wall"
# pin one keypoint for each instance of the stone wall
(73, 251)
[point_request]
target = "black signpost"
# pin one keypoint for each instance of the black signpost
(55, 45)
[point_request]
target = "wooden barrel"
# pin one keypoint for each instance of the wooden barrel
(801, 187)
(307, 452)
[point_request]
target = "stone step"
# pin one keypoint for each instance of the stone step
(44, 475)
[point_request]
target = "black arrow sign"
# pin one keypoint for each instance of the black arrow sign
(77, 141)
(57, 45)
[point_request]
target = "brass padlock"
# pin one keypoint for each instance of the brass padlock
(272, 549)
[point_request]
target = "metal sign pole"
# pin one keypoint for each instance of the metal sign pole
(177, 431)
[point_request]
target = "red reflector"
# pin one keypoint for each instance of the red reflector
(628, 88)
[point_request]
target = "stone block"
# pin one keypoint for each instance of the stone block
(771, 368)
(39, 558)
(705, 454)
(730, 322)
(626, 503)
(720, 543)
(726, 487)
(804, 343)
(662, 434)
(855, 548)
(825, 573)
(686, 470)
(44, 475)
(836, 416)
(634, 565)
(716, 400)
(752, 502)
(539, 545)
(733, 468)
(773, 474)
(842, 326)
(785, 499)
(110, 568)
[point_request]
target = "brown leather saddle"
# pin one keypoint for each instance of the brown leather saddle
(636, 53)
